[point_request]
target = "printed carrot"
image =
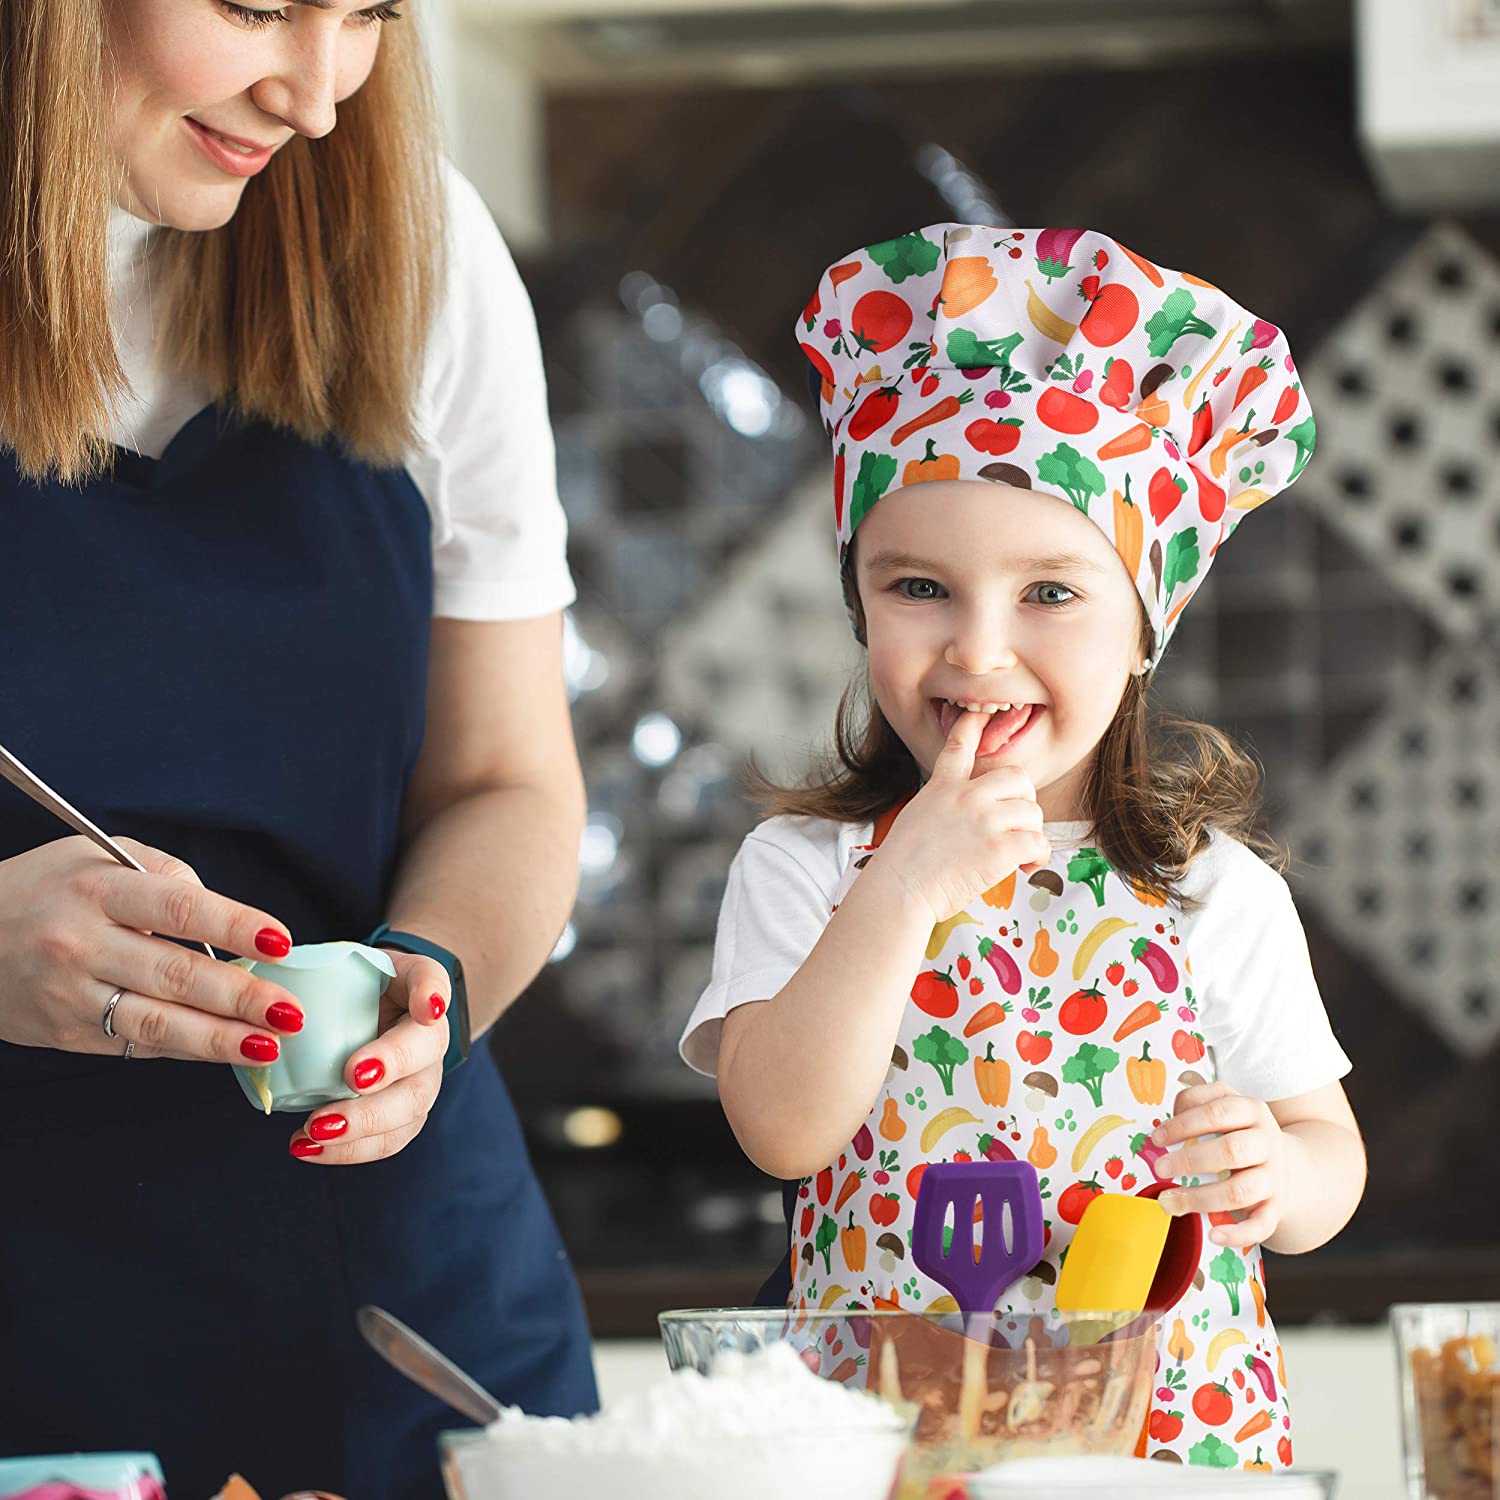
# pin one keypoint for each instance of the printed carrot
(840, 274)
(1143, 1015)
(985, 1017)
(1129, 528)
(1133, 440)
(849, 1189)
(1258, 1423)
(949, 406)
(1154, 409)
(1144, 267)
(1251, 381)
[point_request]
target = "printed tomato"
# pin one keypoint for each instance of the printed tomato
(1083, 1011)
(1212, 1404)
(880, 321)
(936, 993)
(1075, 1199)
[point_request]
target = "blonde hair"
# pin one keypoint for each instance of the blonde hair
(309, 309)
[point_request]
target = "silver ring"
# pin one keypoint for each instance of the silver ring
(109, 1014)
(129, 1051)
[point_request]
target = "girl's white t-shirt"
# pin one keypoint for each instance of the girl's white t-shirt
(484, 463)
(1259, 1008)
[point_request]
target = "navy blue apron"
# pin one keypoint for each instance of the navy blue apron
(223, 653)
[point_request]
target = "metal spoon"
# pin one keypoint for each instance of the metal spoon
(416, 1359)
(29, 782)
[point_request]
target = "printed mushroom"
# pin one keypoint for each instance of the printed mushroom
(1041, 1087)
(1042, 1274)
(891, 1250)
(899, 1059)
(1045, 884)
(1190, 1078)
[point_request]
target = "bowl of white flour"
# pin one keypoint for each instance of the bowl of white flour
(757, 1425)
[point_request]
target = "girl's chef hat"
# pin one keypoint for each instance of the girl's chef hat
(1057, 360)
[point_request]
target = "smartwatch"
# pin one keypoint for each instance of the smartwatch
(385, 936)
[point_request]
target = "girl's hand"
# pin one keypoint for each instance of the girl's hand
(1249, 1146)
(962, 834)
(397, 1076)
(75, 927)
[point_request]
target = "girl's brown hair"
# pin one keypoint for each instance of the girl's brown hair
(309, 309)
(1157, 785)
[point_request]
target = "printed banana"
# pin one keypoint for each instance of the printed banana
(1248, 500)
(940, 1124)
(1093, 1135)
(1091, 944)
(1046, 322)
(944, 928)
(1227, 1339)
(832, 1295)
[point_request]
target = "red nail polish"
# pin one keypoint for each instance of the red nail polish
(284, 1017)
(439, 1005)
(369, 1073)
(327, 1127)
(272, 943)
(302, 1147)
(261, 1049)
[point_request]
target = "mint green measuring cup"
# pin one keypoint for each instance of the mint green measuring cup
(339, 986)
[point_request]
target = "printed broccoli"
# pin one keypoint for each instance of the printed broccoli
(1076, 476)
(828, 1233)
(969, 352)
(944, 1051)
(909, 255)
(876, 470)
(1182, 559)
(1213, 1453)
(1305, 436)
(1177, 317)
(1088, 1066)
(1228, 1269)
(1090, 867)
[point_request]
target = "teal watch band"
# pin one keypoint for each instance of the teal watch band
(385, 936)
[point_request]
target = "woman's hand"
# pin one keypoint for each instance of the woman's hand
(962, 834)
(75, 926)
(397, 1076)
(1249, 1145)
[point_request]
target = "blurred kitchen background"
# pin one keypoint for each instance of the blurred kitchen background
(672, 176)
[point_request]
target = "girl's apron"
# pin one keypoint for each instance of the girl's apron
(223, 653)
(1053, 1022)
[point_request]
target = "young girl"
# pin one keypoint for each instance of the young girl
(996, 927)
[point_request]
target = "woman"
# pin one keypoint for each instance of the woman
(282, 572)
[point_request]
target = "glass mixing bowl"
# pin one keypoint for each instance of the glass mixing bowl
(982, 1389)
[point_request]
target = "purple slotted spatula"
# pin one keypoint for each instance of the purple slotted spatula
(978, 1284)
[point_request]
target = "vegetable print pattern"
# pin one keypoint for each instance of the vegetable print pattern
(1058, 360)
(1051, 1022)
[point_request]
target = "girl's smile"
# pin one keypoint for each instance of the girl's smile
(983, 598)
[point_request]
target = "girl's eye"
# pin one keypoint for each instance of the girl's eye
(1043, 590)
(921, 589)
(379, 14)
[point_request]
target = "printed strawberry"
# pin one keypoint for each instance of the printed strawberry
(964, 966)
(1115, 972)
(1128, 1182)
(1129, 987)
(1114, 1166)
(1088, 288)
(824, 1185)
(976, 985)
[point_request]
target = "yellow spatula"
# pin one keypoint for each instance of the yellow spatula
(1112, 1261)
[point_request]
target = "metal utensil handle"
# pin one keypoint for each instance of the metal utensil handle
(416, 1359)
(34, 787)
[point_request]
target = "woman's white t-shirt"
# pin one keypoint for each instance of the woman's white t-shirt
(1259, 1009)
(484, 463)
